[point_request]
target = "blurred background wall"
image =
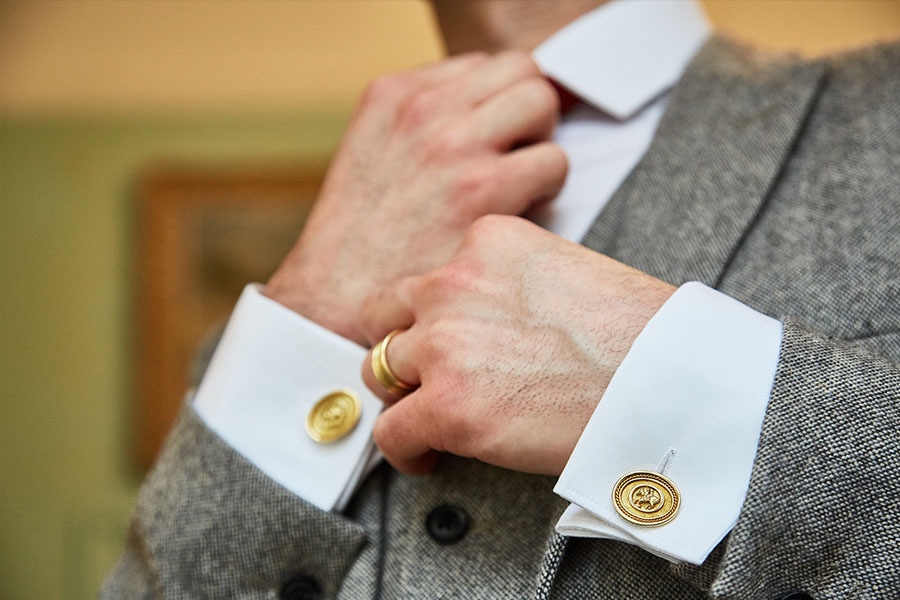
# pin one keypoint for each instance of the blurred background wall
(92, 93)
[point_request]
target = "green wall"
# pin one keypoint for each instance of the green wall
(66, 202)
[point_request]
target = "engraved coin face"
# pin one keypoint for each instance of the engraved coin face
(334, 416)
(646, 498)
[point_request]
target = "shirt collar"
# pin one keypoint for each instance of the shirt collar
(625, 53)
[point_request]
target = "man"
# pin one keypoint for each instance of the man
(703, 448)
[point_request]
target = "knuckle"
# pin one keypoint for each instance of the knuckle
(476, 184)
(446, 142)
(489, 227)
(419, 108)
(445, 342)
(386, 89)
(449, 280)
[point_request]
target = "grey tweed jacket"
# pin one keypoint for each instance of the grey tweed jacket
(772, 179)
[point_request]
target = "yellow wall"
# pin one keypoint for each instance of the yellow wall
(189, 56)
(91, 93)
(811, 27)
(185, 56)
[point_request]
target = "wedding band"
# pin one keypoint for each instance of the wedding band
(382, 370)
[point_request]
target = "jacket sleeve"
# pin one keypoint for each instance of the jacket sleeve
(208, 524)
(823, 507)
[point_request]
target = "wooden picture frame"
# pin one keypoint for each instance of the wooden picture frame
(201, 236)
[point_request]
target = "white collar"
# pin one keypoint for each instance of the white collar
(624, 54)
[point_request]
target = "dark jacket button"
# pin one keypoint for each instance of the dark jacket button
(301, 587)
(797, 595)
(447, 524)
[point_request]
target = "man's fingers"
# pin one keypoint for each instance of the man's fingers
(403, 434)
(389, 370)
(427, 76)
(385, 94)
(388, 308)
(493, 76)
(524, 113)
(528, 176)
(437, 72)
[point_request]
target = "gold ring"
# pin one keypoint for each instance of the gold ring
(382, 370)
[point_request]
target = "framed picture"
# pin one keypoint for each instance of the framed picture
(201, 237)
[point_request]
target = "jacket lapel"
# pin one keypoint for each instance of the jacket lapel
(727, 133)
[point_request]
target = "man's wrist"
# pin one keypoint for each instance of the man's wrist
(688, 401)
(270, 369)
(312, 299)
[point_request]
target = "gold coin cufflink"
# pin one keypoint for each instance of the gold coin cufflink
(382, 370)
(334, 416)
(646, 498)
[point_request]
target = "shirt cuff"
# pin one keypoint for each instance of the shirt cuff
(688, 402)
(270, 367)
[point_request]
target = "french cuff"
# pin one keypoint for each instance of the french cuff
(688, 403)
(270, 369)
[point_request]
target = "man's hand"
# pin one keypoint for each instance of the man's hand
(427, 152)
(512, 342)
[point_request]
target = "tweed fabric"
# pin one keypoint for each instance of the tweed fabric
(680, 215)
(775, 180)
(512, 516)
(556, 547)
(208, 524)
(822, 505)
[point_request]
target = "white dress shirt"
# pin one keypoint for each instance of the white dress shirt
(688, 400)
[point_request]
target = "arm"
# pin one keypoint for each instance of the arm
(506, 316)
(426, 153)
